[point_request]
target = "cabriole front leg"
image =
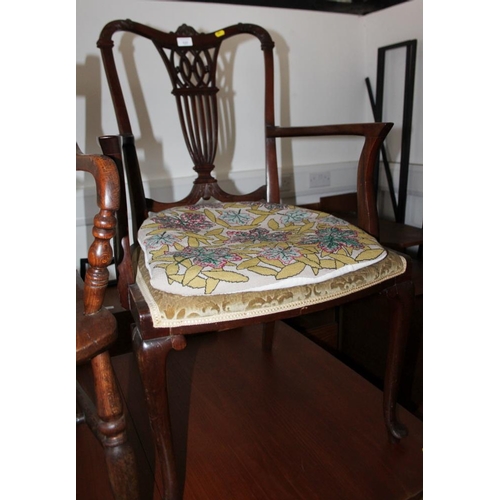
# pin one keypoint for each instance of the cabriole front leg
(400, 298)
(152, 361)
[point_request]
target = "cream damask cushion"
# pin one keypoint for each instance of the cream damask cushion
(169, 310)
(228, 248)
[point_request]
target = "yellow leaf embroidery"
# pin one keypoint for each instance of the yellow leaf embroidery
(273, 224)
(198, 237)
(210, 285)
(291, 228)
(308, 262)
(222, 223)
(291, 270)
(174, 277)
(259, 220)
(328, 264)
(191, 274)
(266, 213)
(306, 227)
(272, 262)
(370, 254)
(264, 271)
(366, 239)
(241, 227)
(196, 282)
(172, 269)
(193, 242)
(214, 232)
(210, 215)
(226, 276)
(343, 258)
(248, 263)
(310, 254)
(159, 255)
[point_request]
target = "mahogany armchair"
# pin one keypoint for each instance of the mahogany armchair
(96, 331)
(215, 261)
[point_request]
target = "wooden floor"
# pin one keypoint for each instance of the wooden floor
(293, 424)
(361, 339)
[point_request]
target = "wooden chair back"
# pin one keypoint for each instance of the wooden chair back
(190, 59)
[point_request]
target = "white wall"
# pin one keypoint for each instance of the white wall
(321, 60)
(314, 51)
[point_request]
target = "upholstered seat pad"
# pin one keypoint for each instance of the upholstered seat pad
(172, 310)
(227, 248)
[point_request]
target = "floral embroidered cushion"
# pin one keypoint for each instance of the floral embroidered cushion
(221, 248)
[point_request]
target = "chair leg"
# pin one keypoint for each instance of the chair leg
(268, 335)
(152, 361)
(111, 425)
(401, 297)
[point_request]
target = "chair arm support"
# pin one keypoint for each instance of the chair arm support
(374, 134)
(100, 254)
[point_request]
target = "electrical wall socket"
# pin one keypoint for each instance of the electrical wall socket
(320, 179)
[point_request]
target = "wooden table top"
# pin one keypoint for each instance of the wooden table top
(288, 425)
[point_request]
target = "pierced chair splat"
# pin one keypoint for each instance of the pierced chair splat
(215, 261)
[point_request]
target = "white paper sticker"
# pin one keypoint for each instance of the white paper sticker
(184, 41)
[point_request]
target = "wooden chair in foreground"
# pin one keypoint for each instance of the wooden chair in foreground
(96, 331)
(216, 261)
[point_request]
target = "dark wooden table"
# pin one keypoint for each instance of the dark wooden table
(288, 425)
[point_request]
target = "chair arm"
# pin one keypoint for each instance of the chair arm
(373, 130)
(100, 254)
(104, 171)
(374, 134)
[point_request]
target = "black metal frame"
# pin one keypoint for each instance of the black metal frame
(399, 206)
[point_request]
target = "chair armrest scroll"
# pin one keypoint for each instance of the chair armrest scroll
(100, 254)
